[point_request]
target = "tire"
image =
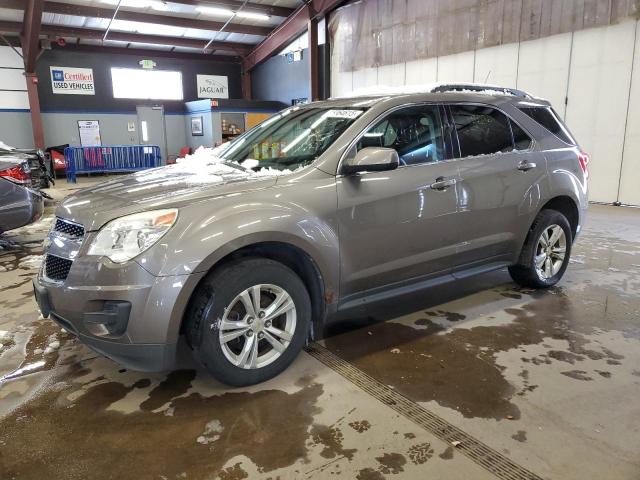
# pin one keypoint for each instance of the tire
(217, 305)
(526, 272)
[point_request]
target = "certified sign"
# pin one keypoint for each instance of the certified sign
(212, 86)
(72, 81)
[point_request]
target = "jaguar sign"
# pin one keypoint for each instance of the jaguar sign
(212, 86)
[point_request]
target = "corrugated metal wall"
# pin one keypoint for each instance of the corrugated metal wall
(382, 32)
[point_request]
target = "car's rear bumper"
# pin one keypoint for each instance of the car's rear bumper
(26, 207)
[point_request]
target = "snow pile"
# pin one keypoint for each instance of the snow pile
(31, 261)
(205, 160)
(382, 90)
(52, 347)
(4, 146)
(203, 155)
(376, 90)
(212, 431)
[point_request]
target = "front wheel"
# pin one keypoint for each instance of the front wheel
(249, 320)
(545, 254)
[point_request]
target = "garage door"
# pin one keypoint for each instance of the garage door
(598, 96)
(630, 178)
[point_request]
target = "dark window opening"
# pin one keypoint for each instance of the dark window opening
(549, 119)
(521, 140)
(481, 130)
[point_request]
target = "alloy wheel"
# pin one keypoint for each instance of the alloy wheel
(257, 326)
(550, 252)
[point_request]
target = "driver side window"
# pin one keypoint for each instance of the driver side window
(415, 132)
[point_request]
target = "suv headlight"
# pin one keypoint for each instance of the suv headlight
(126, 237)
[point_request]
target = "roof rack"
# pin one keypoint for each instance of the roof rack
(458, 87)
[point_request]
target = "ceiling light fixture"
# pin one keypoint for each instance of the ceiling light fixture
(220, 12)
(225, 12)
(154, 4)
(252, 15)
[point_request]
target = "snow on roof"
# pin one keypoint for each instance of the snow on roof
(459, 87)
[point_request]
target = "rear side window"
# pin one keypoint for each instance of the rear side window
(481, 130)
(549, 119)
(521, 140)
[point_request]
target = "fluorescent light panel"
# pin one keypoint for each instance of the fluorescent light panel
(225, 12)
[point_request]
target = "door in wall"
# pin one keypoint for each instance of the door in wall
(152, 128)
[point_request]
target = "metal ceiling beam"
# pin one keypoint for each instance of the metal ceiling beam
(291, 28)
(95, 34)
(141, 17)
(142, 52)
(235, 4)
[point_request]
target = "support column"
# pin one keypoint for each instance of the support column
(246, 84)
(312, 29)
(30, 40)
(34, 106)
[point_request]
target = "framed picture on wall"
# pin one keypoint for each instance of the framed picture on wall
(196, 127)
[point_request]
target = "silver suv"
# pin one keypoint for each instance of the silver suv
(383, 195)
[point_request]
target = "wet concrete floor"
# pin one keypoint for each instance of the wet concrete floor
(550, 380)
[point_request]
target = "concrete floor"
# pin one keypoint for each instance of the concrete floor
(549, 380)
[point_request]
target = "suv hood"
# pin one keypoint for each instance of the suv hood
(172, 186)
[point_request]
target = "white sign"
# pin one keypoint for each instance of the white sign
(212, 86)
(72, 81)
(89, 133)
(131, 126)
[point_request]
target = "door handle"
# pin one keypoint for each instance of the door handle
(442, 183)
(525, 166)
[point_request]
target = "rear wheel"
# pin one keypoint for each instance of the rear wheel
(545, 254)
(249, 320)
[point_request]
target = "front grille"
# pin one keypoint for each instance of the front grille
(71, 229)
(57, 268)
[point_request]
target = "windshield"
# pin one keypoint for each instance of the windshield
(291, 139)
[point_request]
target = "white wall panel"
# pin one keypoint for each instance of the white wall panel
(456, 68)
(341, 83)
(391, 75)
(12, 79)
(420, 72)
(367, 77)
(601, 63)
(543, 68)
(14, 100)
(630, 179)
(497, 65)
(9, 58)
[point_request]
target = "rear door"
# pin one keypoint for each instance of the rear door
(397, 226)
(499, 173)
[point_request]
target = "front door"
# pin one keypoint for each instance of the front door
(152, 128)
(397, 227)
(499, 174)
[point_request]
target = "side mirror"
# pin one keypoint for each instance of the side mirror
(371, 159)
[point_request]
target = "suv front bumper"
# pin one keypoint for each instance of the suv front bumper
(121, 312)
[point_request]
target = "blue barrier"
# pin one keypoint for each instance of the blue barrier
(117, 158)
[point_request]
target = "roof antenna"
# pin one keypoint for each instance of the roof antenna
(487, 77)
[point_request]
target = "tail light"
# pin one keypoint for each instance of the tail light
(18, 174)
(583, 159)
